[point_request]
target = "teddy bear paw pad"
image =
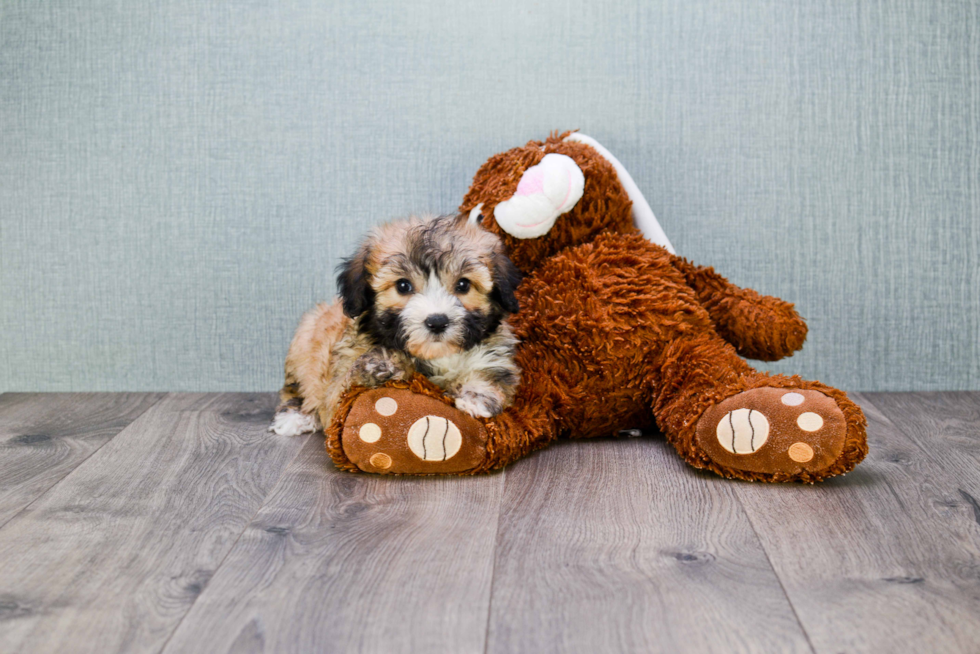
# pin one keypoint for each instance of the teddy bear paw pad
(773, 430)
(397, 431)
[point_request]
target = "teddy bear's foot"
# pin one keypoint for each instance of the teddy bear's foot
(393, 430)
(787, 433)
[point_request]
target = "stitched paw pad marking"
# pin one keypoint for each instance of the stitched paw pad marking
(386, 406)
(434, 438)
(800, 452)
(369, 432)
(792, 399)
(809, 421)
(743, 431)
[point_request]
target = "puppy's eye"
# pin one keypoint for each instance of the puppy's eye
(479, 218)
(463, 286)
(404, 287)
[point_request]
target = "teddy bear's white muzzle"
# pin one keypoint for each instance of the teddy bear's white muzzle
(545, 192)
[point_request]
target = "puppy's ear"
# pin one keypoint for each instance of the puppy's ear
(353, 284)
(506, 279)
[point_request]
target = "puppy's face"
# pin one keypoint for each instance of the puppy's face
(431, 287)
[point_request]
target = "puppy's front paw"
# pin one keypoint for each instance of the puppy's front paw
(293, 423)
(375, 368)
(482, 401)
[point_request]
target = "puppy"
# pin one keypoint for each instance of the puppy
(428, 295)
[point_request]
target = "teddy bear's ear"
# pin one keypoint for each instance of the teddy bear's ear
(545, 192)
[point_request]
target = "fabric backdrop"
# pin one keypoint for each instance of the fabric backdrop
(179, 179)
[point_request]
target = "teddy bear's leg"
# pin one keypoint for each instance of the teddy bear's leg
(721, 414)
(413, 428)
(759, 326)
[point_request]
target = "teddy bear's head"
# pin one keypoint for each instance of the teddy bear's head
(546, 196)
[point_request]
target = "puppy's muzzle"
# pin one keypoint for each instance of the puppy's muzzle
(437, 323)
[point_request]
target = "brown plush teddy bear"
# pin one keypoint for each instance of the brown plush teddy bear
(616, 331)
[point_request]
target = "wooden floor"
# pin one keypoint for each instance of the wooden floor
(177, 523)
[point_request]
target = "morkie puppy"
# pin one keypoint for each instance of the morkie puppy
(428, 295)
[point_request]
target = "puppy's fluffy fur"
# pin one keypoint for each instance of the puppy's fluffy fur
(428, 295)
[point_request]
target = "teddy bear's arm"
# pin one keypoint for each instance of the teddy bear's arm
(759, 326)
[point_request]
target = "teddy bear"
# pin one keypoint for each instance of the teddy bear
(616, 330)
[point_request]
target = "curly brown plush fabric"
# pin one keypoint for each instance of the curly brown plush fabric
(617, 332)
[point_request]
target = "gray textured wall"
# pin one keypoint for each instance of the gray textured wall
(178, 181)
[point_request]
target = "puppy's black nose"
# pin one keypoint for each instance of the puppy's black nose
(437, 323)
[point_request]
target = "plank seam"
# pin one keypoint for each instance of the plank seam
(762, 546)
(493, 563)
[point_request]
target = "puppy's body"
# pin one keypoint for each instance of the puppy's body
(426, 295)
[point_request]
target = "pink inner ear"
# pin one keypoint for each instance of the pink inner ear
(532, 182)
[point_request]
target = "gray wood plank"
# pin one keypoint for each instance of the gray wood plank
(354, 563)
(113, 557)
(44, 436)
(946, 426)
(619, 546)
(884, 559)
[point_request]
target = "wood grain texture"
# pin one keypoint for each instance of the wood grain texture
(44, 437)
(354, 563)
(945, 425)
(194, 530)
(619, 546)
(113, 557)
(886, 558)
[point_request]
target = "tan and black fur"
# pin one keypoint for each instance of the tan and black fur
(427, 295)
